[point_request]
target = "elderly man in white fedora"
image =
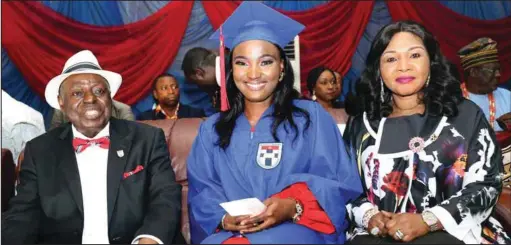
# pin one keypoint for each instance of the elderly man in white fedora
(98, 180)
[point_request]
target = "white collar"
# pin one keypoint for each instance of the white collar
(104, 132)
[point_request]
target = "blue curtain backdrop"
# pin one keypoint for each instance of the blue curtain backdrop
(294, 5)
(111, 13)
(379, 18)
(14, 84)
(480, 9)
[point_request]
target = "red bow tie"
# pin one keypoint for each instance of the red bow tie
(81, 144)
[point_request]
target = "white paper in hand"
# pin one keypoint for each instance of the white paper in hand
(248, 206)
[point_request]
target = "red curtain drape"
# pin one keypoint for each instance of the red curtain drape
(454, 30)
(331, 35)
(39, 41)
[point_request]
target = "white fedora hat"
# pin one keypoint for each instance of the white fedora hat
(82, 62)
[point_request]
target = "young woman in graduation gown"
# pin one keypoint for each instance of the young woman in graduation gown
(269, 145)
(428, 159)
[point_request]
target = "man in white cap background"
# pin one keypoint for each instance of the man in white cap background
(98, 180)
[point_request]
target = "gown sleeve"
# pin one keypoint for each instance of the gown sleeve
(313, 216)
(352, 138)
(333, 180)
(462, 214)
(205, 191)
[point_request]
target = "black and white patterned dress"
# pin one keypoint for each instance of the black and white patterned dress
(453, 169)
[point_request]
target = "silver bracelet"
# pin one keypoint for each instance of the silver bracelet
(368, 215)
(299, 212)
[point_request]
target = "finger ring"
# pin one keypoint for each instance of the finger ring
(255, 224)
(375, 231)
(399, 234)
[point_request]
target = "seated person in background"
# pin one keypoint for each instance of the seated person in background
(199, 68)
(166, 95)
(430, 165)
(97, 180)
(481, 78)
(325, 90)
(20, 124)
(269, 145)
(119, 111)
(323, 86)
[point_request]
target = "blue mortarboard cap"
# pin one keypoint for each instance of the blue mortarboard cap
(256, 21)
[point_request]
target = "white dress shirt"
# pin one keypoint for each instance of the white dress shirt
(92, 167)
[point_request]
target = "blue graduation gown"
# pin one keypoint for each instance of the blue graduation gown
(316, 157)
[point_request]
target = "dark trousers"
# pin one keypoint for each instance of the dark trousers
(439, 237)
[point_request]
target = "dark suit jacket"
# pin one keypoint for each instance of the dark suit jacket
(49, 208)
(183, 112)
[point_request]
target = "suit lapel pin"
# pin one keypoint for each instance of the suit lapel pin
(120, 153)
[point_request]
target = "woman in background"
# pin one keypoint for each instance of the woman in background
(325, 88)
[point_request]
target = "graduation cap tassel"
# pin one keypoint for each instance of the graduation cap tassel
(224, 102)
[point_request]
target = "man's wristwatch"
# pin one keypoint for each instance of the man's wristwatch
(431, 220)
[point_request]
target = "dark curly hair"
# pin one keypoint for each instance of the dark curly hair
(442, 95)
(283, 98)
(313, 76)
